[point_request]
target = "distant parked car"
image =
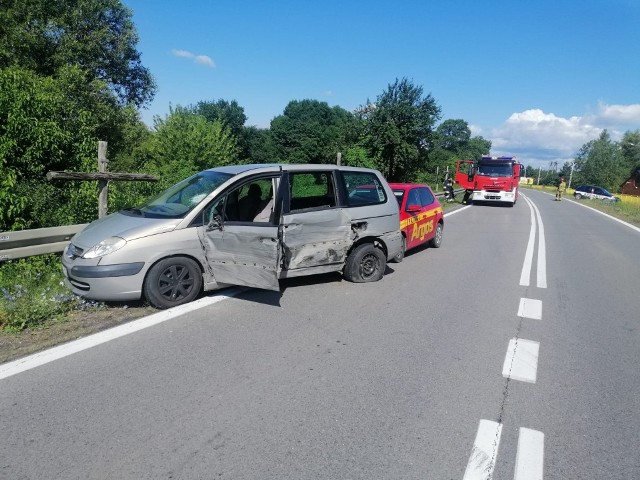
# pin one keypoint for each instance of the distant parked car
(421, 218)
(593, 192)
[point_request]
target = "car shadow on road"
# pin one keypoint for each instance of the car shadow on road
(272, 297)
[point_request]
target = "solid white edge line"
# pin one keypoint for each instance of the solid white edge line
(484, 452)
(542, 251)
(521, 361)
(530, 308)
(448, 214)
(32, 361)
(530, 456)
(525, 274)
(626, 224)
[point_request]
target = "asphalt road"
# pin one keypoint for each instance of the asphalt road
(460, 363)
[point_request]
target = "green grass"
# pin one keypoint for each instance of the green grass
(32, 291)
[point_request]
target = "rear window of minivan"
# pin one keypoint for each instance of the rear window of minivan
(363, 188)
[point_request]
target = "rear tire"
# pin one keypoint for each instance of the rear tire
(365, 263)
(436, 241)
(578, 196)
(172, 282)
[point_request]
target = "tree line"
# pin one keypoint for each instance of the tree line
(71, 74)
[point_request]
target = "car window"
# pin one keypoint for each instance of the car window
(414, 198)
(311, 190)
(363, 188)
(250, 202)
(426, 197)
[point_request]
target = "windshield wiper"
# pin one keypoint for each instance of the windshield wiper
(137, 211)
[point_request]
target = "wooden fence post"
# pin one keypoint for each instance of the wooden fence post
(103, 184)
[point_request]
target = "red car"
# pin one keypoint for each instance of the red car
(421, 218)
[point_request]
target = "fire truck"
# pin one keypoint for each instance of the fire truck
(490, 179)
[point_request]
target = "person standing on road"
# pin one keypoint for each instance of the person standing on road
(560, 190)
(448, 189)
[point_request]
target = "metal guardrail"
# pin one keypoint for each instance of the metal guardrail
(39, 241)
(28, 243)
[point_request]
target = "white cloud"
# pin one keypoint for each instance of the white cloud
(199, 59)
(536, 137)
(619, 114)
(204, 60)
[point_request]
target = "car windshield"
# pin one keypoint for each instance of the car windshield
(495, 169)
(181, 198)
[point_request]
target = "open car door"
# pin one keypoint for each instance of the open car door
(240, 252)
(465, 172)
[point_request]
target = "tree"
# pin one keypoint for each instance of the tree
(630, 145)
(229, 113)
(453, 142)
(46, 124)
(600, 162)
(97, 36)
(185, 143)
(310, 131)
(400, 129)
(453, 135)
(258, 145)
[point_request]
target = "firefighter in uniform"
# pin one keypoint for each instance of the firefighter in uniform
(560, 190)
(448, 189)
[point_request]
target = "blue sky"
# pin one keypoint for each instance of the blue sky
(538, 78)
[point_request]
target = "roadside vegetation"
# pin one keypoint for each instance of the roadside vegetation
(32, 292)
(71, 75)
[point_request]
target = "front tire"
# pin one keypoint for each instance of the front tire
(365, 263)
(436, 241)
(172, 281)
(578, 196)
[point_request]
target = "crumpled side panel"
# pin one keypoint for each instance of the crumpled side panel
(316, 238)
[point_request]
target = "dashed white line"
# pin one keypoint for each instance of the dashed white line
(521, 362)
(484, 452)
(530, 456)
(530, 308)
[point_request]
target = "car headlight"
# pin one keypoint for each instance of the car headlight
(105, 247)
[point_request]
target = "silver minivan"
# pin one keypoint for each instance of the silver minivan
(238, 225)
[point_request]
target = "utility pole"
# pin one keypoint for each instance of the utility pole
(539, 168)
(571, 174)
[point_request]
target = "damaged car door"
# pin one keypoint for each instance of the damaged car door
(240, 236)
(316, 233)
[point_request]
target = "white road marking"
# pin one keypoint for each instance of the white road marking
(530, 308)
(525, 275)
(542, 250)
(530, 456)
(46, 356)
(448, 214)
(484, 452)
(626, 224)
(521, 362)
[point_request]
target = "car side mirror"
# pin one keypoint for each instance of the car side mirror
(215, 223)
(413, 208)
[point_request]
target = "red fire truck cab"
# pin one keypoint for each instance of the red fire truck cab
(490, 179)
